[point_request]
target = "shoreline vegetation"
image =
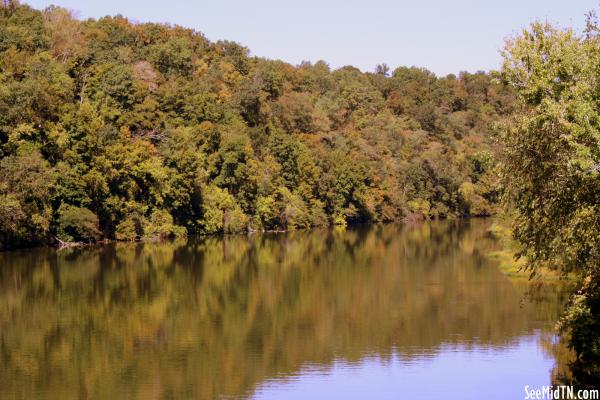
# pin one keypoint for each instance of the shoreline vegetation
(508, 264)
(550, 168)
(117, 130)
(411, 221)
(516, 268)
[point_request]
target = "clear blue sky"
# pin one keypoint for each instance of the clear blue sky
(445, 36)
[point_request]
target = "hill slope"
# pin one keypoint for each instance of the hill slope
(110, 129)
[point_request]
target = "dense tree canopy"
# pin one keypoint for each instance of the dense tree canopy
(552, 169)
(116, 130)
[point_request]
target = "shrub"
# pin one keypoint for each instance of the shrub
(130, 228)
(221, 213)
(161, 226)
(77, 223)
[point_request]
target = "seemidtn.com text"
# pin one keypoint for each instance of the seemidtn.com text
(560, 393)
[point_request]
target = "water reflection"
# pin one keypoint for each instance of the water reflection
(223, 317)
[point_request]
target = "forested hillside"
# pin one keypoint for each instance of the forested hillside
(115, 130)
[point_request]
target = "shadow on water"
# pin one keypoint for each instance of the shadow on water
(220, 316)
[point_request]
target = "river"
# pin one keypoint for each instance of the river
(381, 311)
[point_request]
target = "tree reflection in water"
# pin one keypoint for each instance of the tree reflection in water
(206, 317)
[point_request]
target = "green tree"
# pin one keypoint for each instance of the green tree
(551, 169)
(142, 122)
(77, 223)
(221, 212)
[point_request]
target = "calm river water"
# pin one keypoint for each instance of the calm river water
(376, 312)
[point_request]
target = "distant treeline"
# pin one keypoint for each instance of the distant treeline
(116, 130)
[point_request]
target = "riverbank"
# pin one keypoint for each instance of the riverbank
(59, 244)
(517, 268)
